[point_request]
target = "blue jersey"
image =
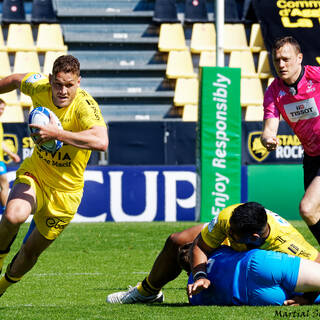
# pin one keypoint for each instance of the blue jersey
(254, 277)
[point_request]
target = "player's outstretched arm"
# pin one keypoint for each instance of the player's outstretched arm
(15, 157)
(269, 134)
(11, 82)
(199, 258)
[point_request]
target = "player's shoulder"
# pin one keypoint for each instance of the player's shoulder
(227, 212)
(275, 218)
(312, 72)
(35, 77)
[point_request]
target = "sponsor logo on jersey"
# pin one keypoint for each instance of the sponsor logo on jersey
(310, 87)
(280, 239)
(281, 94)
(301, 110)
(304, 254)
(255, 147)
(293, 248)
(35, 77)
(212, 223)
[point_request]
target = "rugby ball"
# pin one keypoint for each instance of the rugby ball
(41, 116)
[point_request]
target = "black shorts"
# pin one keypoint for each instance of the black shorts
(311, 169)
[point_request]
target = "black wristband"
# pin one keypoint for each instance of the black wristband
(200, 275)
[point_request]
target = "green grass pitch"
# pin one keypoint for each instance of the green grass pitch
(90, 260)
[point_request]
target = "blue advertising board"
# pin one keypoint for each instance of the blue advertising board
(136, 193)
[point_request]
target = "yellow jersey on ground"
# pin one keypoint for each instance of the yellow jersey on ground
(283, 236)
(63, 170)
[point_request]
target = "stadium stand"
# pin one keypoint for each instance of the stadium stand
(49, 58)
(190, 112)
(124, 48)
(12, 114)
(20, 37)
(207, 59)
(186, 92)
(203, 37)
(171, 37)
(243, 60)
(195, 11)
(50, 38)
(5, 68)
(165, 11)
(13, 11)
(25, 61)
(180, 65)
(42, 12)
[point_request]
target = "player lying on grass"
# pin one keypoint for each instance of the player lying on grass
(256, 278)
(256, 226)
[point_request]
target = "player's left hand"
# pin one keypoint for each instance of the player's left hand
(296, 301)
(15, 158)
(197, 287)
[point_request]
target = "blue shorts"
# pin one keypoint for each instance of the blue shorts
(271, 278)
(256, 277)
(3, 168)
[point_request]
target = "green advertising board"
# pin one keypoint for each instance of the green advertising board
(277, 187)
(218, 141)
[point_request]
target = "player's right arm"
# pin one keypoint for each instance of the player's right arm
(269, 134)
(199, 258)
(11, 82)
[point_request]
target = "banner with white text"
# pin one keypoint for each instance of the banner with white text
(219, 141)
(136, 194)
(297, 18)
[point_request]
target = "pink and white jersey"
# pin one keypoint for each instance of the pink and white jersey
(300, 111)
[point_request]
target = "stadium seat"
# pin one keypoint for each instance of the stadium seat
(256, 42)
(270, 80)
(243, 60)
(20, 38)
(203, 37)
(190, 113)
(263, 65)
(5, 68)
(186, 92)
(195, 11)
(253, 113)
(42, 11)
(235, 37)
(251, 92)
(25, 62)
(231, 13)
(49, 58)
(207, 59)
(2, 45)
(50, 38)
(13, 11)
(180, 65)
(10, 98)
(165, 11)
(12, 114)
(171, 37)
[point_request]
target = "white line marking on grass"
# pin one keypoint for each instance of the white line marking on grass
(69, 274)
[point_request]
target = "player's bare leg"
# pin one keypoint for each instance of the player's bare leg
(310, 207)
(165, 269)
(4, 189)
(20, 204)
(25, 259)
